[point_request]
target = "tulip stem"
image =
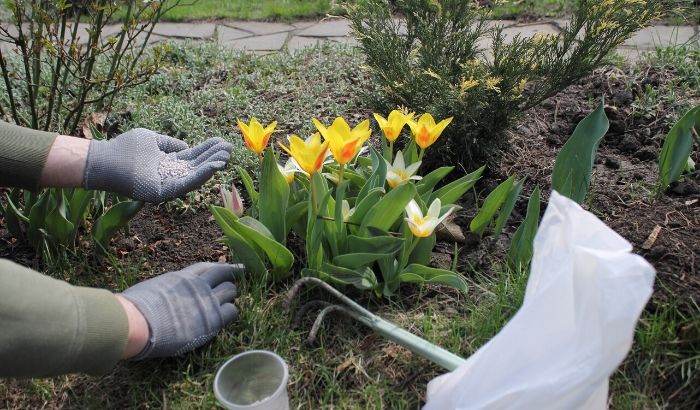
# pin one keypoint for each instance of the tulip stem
(420, 155)
(407, 255)
(341, 172)
(314, 207)
(260, 159)
(391, 151)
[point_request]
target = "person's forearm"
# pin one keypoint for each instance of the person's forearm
(65, 164)
(48, 327)
(138, 329)
(23, 153)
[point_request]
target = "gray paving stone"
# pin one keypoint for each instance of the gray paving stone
(299, 42)
(304, 24)
(226, 34)
(347, 40)
(185, 30)
(504, 23)
(560, 23)
(630, 54)
(259, 28)
(401, 24)
(529, 31)
(6, 47)
(270, 42)
(651, 37)
(328, 28)
(152, 39)
(110, 30)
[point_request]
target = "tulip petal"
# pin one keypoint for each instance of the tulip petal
(320, 127)
(381, 121)
(434, 210)
(399, 162)
(411, 169)
(413, 210)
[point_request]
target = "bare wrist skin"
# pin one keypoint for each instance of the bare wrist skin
(65, 164)
(138, 329)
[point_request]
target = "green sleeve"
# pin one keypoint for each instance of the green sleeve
(23, 153)
(48, 327)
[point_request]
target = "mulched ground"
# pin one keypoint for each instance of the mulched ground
(625, 174)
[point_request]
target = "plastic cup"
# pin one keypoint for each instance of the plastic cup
(253, 380)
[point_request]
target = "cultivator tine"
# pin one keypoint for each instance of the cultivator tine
(305, 308)
(319, 320)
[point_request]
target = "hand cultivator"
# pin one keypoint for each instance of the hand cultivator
(385, 328)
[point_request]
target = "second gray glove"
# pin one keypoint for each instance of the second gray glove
(185, 309)
(151, 167)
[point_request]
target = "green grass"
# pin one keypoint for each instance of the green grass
(246, 10)
(671, 89)
(375, 374)
(532, 8)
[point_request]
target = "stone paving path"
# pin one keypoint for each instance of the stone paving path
(263, 37)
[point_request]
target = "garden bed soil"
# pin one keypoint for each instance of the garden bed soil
(664, 229)
(622, 194)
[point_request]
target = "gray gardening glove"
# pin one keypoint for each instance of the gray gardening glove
(147, 166)
(185, 309)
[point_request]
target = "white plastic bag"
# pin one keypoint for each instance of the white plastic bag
(583, 299)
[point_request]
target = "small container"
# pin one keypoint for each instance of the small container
(253, 380)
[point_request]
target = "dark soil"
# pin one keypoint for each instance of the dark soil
(623, 190)
(159, 241)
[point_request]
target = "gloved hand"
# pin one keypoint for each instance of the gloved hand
(185, 309)
(147, 166)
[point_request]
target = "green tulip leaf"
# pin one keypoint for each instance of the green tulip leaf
(451, 192)
(248, 184)
(490, 207)
(428, 183)
(521, 245)
(507, 208)
(390, 208)
(678, 144)
(416, 273)
(274, 194)
(362, 278)
(574, 164)
(116, 218)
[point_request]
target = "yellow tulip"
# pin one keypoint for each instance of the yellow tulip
(344, 142)
(393, 124)
(425, 131)
(255, 136)
(310, 154)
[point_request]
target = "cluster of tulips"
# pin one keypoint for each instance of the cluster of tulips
(344, 143)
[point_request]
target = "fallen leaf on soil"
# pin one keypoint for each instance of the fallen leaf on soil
(450, 231)
(394, 351)
(691, 202)
(652, 238)
(344, 365)
(222, 258)
(95, 118)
